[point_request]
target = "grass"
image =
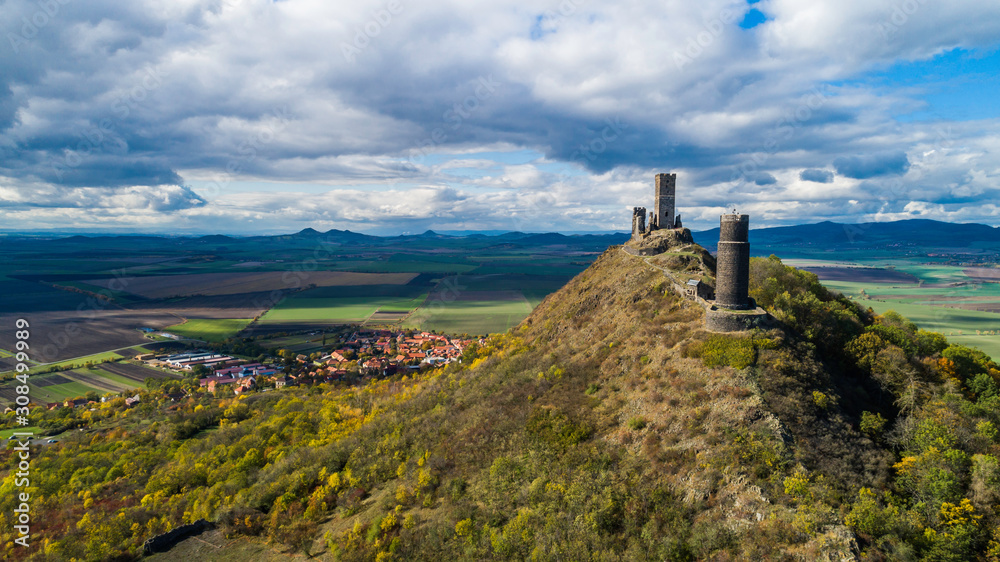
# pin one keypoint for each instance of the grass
(297, 344)
(79, 362)
(77, 385)
(5, 433)
(355, 309)
(115, 378)
(472, 317)
(111, 381)
(533, 287)
(403, 267)
(211, 330)
(60, 392)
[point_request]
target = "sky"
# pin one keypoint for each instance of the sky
(388, 117)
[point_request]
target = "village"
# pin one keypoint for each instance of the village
(359, 357)
(362, 356)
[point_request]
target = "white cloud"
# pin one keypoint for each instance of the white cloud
(112, 107)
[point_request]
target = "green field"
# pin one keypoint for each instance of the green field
(442, 308)
(533, 287)
(924, 302)
(78, 382)
(79, 362)
(403, 267)
(472, 317)
(209, 329)
(297, 344)
(60, 392)
(5, 433)
(303, 308)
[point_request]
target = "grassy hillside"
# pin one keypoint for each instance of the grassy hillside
(609, 425)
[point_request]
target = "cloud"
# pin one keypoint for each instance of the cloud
(764, 178)
(871, 165)
(818, 176)
(134, 103)
(163, 198)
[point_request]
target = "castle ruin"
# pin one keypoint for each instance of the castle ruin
(638, 221)
(662, 217)
(732, 309)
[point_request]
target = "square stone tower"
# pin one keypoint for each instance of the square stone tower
(663, 205)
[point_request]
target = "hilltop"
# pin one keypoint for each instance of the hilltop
(608, 425)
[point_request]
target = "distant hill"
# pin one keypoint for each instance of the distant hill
(309, 236)
(916, 235)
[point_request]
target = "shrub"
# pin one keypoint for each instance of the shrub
(872, 425)
(637, 423)
(821, 400)
(736, 352)
(553, 427)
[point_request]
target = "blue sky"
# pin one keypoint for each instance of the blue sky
(386, 116)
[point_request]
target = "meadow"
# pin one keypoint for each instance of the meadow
(209, 329)
(475, 317)
(302, 308)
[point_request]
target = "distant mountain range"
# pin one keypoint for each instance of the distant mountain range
(310, 238)
(907, 236)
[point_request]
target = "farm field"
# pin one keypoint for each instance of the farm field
(206, 287)
(941, 298)
(237, 305)
(466, 303)
(388, 267)
(534, 288)
(52, 388)
(209, 329)
(80, 361)
(301, 308)
(472, 312)
(299, 344)
(102, 379)
(61, 335)
(132, 374)
(165, 286)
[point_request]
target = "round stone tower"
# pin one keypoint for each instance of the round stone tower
(732, 279)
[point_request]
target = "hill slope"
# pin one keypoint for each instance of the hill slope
(608, 426)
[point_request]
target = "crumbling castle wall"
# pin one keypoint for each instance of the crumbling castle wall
(638, 222)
